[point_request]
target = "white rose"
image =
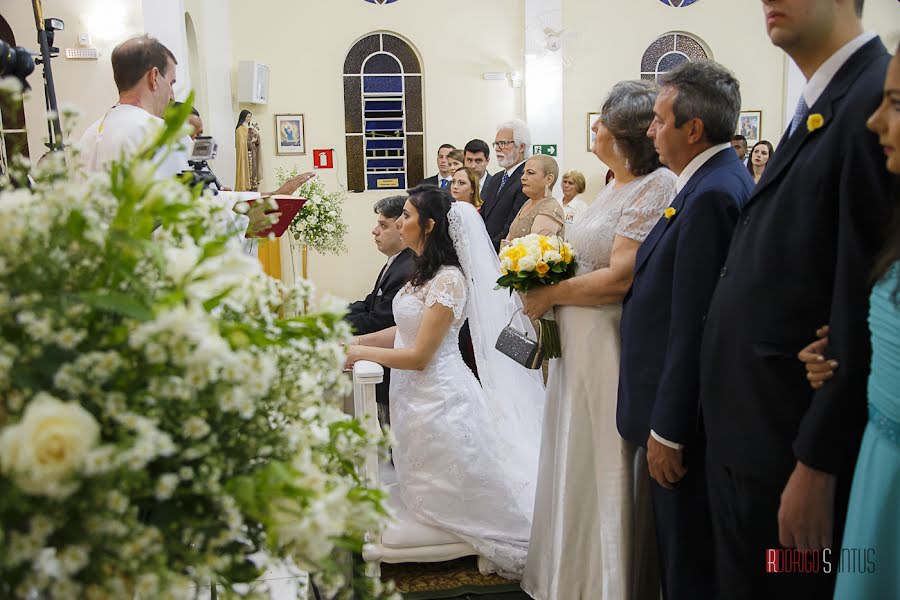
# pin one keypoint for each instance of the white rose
(48, 446)
(526, 263)
(551, 256)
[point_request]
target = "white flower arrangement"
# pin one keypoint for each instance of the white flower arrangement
(160, 420)
(320, 223)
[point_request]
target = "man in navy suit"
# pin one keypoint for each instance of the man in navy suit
(781, 456)
(444, 176)
(676, 270)
(477, 156)
(503, 195)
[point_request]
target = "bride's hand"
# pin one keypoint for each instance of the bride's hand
(353, 355)
(537, 301)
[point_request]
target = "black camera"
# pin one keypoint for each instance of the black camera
(15, 61)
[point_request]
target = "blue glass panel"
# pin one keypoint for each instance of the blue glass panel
(380, 163)
(388, 181)
(670, 61)
(384, 125)
(384, 105)
(384, 144)
(383, 84)
(382, 63)
(675, 3)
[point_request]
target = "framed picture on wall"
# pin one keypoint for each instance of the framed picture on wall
(590, 134)
(290, 135)
(750, 126)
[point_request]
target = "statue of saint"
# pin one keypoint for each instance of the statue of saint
(247, 172)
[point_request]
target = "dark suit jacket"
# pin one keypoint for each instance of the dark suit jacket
(675, 272)
(433, 180)
(498, 212)
(376, 312)
(801, 257)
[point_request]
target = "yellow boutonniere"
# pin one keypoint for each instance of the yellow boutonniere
(670, 212)
(814, 121)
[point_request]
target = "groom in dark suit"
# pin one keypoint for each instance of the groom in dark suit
(676, 270)
(781, 456)
(376, 311)
(503, 195)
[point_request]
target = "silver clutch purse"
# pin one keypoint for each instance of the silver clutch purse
(519, 347)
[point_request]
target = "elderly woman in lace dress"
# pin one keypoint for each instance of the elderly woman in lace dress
(590, 533)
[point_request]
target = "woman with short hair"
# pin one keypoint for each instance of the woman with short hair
(573, 184)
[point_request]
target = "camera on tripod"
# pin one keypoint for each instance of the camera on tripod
(204, 150)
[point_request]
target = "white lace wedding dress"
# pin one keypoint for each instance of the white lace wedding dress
(466, 455)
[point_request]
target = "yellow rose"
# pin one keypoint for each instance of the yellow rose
(814, 121)
(566, 253)
(669, 213)
(48, 446)
(542, 269)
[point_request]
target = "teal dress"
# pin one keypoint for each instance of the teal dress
(872, 534)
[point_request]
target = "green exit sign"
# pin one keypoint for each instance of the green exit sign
(548, 149)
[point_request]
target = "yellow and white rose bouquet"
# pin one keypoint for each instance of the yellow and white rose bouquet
(534, 260)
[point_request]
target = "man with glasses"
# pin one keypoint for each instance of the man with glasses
(502, 195)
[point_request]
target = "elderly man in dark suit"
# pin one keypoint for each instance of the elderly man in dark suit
(503, 196)
(781, 456)
(376, 312)
(676, 270)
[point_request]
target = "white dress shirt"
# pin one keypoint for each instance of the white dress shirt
(689, 171)
(481, 182)
(828, 69)
(441, 179)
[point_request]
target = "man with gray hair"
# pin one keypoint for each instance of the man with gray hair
(376, 311)
(502, 195)
(675, 273)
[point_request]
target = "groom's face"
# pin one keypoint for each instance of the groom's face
(387, 236)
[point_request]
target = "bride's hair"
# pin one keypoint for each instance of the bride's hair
(433, 203)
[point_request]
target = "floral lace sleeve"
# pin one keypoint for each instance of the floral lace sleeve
(448, 288)
(647, 205)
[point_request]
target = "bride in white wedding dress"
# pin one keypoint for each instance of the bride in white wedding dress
(467, 453)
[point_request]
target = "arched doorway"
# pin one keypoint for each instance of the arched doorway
(13, 135)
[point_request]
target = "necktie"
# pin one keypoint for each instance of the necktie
(503, 181)
(378, 285)
(443, 184)
(799, 115)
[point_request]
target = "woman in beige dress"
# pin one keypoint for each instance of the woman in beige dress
(592, 535)
(542, 213)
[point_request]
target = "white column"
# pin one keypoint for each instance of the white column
(544, 76)
(794, 82)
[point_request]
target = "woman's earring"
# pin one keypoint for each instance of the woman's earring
(547, 191)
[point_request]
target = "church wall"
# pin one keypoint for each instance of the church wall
(304, 45)
(734, 30)
(612, 37)
(86, 85)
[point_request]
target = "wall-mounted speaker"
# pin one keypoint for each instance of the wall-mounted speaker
(253, 82)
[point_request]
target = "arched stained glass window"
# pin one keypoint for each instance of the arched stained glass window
(383, 114)
(670, 50)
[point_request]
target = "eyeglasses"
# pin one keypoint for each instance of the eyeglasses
(499, 145)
